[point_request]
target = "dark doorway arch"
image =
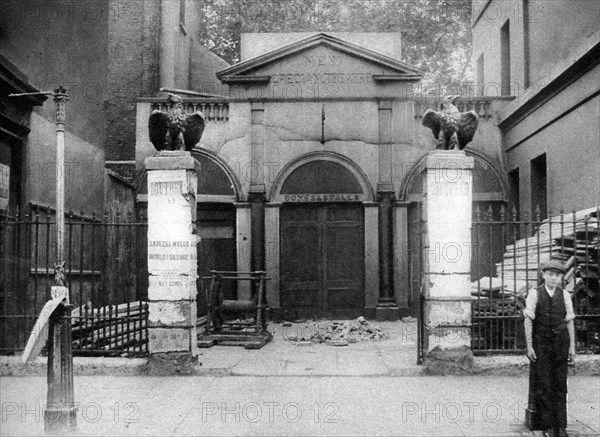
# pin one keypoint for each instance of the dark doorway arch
(322, 256)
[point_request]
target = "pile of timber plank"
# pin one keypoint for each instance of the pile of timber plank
(115, 327)
(571, 238)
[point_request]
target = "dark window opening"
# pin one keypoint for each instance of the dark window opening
(514, 191)
(526, 47)
(480, 75)
(539, 187)
(321, 177)
(10, 175)
(505, 59)
(182, 12)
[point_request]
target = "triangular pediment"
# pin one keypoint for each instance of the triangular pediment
(320, 54)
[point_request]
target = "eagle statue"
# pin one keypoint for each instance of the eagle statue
(175, 129)
(452, 129)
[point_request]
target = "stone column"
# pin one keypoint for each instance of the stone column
(371, 258)
(243, 242)
(257, 190)
(447, 191)
(386, 306)
(401, 259)
(272, 226)
(172, 264)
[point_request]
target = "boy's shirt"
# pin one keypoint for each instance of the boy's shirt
(532, 298)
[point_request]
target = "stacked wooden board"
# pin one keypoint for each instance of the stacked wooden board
(571, 238)
(117, 327)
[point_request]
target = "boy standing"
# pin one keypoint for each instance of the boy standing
(550, 337)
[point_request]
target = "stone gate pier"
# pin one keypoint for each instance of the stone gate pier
(172, 264)
(447, 191)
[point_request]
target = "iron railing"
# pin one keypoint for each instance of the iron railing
(106, 277)
(506, 254)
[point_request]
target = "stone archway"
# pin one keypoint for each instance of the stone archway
(321, 205)
(344, 168)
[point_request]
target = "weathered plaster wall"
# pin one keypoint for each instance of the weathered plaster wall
(555, 27)
(570, 143)
(83, 169)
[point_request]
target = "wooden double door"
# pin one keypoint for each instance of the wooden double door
(322, 260)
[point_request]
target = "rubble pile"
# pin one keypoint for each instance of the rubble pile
(337, 333)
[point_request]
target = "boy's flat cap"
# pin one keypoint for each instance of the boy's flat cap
(555, 265)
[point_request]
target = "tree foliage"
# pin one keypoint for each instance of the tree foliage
(436, 34)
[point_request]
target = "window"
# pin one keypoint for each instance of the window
(539, 184)
(182, 12)
(526, 47)
(505, 59)
(513, 192)
(480, 76)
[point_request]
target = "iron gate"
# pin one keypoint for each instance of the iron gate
(106, 276)
(506, 254)
(416, 244)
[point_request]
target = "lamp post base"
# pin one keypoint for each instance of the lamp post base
(60, 420)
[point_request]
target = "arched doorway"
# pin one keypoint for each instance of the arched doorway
(322, 239)
(216, 219)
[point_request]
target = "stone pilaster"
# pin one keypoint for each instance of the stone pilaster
(386, 305)
(272, 226)
(401, 258)
(371, 258)
(387, 309)
(172, 263)
(447, 191)
(243, 242)
(257, 190)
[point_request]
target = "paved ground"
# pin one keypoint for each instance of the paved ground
(294, 389)
(332, 406)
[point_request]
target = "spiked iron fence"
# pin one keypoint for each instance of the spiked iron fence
(506, 254)
(106, 277)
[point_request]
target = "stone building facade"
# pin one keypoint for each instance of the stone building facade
(309, 169)
(546, 55)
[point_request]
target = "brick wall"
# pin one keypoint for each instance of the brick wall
(133, 30)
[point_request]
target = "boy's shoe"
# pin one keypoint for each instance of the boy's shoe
(562, 433)
(548, 433)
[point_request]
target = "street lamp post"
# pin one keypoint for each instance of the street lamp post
(60, 98)
(60, 415)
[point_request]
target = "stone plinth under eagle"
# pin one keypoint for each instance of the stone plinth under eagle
(175, 129)
(452, 129)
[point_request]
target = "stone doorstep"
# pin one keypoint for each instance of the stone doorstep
(500, 365)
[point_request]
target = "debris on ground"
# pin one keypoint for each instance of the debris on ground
(335, 333)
